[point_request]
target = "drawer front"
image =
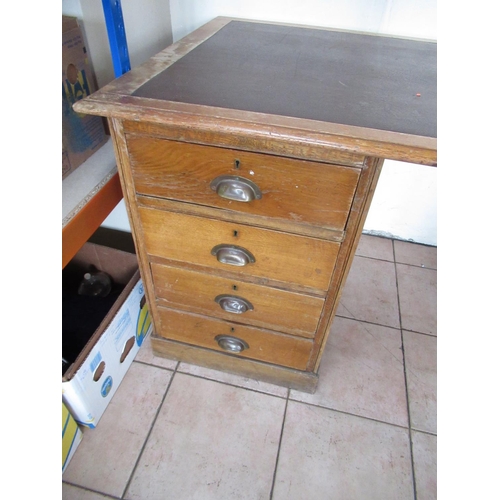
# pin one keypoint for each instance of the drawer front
(277, 256)
(258, 344)
(258, 184)
(233, 300)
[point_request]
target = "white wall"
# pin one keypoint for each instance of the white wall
(414, 18)
(404, 204)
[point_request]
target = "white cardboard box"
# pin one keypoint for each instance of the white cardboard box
(91, 381)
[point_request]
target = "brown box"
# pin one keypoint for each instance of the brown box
(82, 134)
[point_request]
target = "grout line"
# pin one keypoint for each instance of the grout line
(394, 261)
(429, 433)
(364, 321)
(405, 378)
(238, 386)
(433, 335)
(289, 398)
(279, 446)
(100, 493)
(160, 406)
(352, 318)
(350, 414)
(146, 363)
(418, 266)
(373, 258)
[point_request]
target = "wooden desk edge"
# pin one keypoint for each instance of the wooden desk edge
(357, 140)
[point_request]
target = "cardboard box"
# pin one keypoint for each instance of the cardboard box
(71, 437)
(96, 372)
(83, 135)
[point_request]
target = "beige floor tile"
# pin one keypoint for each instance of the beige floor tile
(416, 255)
(107, 454)
(421, 374)
(145, 355)
(210, 441)
(417, 298)
(229, 378)
(362, 372)
(330, 455)
(425, 465)
(370, 293)
(70, 492)
(375, 247)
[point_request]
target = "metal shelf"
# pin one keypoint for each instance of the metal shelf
(89, 194)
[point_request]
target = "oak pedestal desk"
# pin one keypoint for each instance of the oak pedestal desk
(248, 154)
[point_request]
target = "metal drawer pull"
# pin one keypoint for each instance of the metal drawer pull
(233, 304)
(232, 255)
(231, 344)
(236, 188)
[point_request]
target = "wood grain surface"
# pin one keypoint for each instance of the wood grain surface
(279, 256)
(273, 309)
(293, 190)
(264, 345)
(245, 367)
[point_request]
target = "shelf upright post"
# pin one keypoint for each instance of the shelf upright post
(116, 35)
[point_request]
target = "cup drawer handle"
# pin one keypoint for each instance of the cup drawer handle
(235, 188)
(231, 344)
(233, 255)
(233, 304)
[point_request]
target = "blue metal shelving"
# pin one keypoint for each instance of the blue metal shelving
(117, 36)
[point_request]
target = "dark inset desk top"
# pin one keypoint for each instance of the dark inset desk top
(362, 80)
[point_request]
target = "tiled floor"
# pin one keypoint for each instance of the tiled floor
(175, 431)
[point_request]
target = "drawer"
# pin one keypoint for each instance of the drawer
(288, 189)
(233, 300)
(259, 344)
(270, 254)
